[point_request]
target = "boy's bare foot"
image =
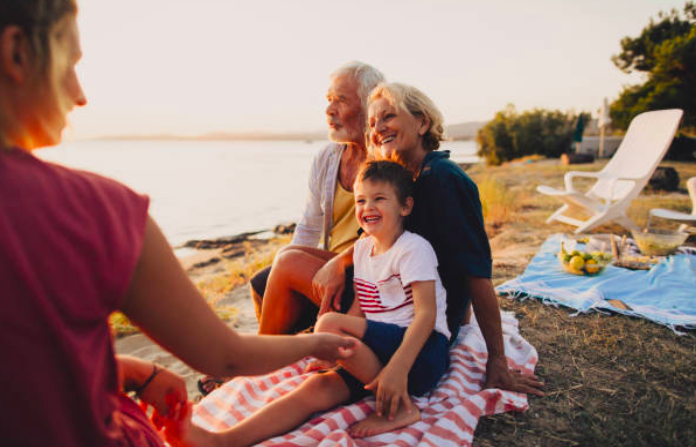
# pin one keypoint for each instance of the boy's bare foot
(375, 425)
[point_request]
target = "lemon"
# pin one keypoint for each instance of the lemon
(591, 266)
(576, 263)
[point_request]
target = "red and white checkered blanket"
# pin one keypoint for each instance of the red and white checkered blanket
(449, 413)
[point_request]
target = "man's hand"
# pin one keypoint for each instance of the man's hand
(499, 375)
(333, 347)
(328, 285)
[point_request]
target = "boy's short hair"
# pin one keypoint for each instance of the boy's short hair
(389, 172)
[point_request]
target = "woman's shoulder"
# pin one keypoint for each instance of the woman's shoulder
(441, 165)
(54, 184)
(94, 186)
(439, 170)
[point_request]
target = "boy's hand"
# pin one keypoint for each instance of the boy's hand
(391, 389)
(333, 347)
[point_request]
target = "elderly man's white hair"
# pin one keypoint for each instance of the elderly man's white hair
(367, 77)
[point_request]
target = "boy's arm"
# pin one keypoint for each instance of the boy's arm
(391, 384)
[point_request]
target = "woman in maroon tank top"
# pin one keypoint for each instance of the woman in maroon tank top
(74, 247)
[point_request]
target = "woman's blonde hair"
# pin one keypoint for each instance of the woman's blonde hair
(410, 99)
(37, 19)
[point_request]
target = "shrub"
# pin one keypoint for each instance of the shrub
(683, 148)
(513, 135)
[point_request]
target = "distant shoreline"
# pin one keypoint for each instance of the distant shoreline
(456, 132)
(231, 137)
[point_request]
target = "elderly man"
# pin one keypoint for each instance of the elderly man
(328, 225)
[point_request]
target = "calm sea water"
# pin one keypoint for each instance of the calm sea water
(209, 189)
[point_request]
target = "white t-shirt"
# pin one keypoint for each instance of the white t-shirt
(383, 282)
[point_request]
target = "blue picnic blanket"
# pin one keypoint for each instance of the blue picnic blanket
(665, 294)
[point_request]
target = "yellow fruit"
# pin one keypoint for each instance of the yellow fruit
(591, 266)
(576, 263)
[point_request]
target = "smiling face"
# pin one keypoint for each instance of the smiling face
(395, 132)
(344, 114)
(379, 211)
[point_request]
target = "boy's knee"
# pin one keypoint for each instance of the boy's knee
(329, 322)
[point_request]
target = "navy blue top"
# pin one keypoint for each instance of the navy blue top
(447, 212)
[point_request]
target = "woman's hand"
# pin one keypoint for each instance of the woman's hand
(332, 347)
(328, 285)
(167, 389)
(391, 389)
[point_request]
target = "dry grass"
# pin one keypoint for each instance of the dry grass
(610, 380)
(236, 272)
(497, 200)
(239, 270)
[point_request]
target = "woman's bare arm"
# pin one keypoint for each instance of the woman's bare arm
(167, 306)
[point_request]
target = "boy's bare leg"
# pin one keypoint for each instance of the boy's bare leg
(364, 366)
(320, 392)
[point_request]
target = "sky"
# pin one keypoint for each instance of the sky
(195, 67)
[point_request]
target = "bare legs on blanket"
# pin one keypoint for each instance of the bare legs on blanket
(364, 366)
(318, 393)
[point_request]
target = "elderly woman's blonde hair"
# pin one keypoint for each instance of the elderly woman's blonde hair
(410, 99)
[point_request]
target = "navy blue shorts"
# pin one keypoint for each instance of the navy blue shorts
(384, 339)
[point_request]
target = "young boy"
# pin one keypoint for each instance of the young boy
(398, 316)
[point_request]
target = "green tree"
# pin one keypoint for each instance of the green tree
(511, 135)
(665, 51)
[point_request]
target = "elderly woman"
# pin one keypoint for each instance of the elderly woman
(74, 247)
(405, 125)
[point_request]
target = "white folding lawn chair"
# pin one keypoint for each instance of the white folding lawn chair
(687, 220)
(623, 177)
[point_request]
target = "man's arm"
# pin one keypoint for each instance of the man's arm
(330, 280)
(309, 228)
(498, 374)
